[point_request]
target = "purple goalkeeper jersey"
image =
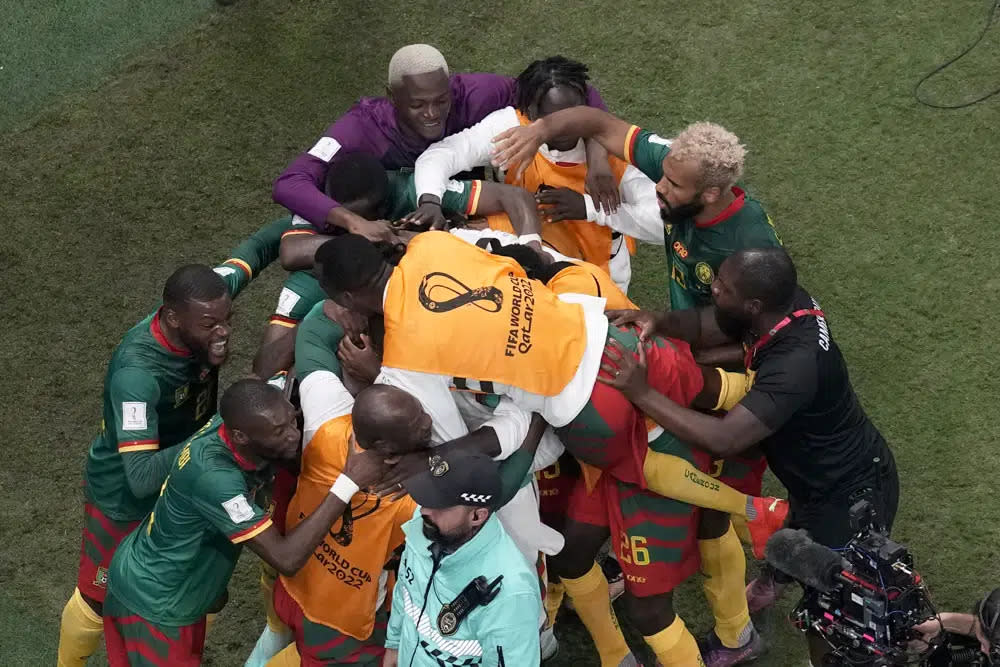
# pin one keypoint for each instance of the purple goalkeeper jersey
(370, 126)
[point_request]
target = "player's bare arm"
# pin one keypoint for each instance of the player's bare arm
(288, 553)
(518, 145)
(298, 250)
(739, 430)
(373, 230)
(695, 326)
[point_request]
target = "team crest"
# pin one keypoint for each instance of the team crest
(437, 465)
(181, 395)
(447, 621)
(101, 578)
(680, 249)
(704, 273)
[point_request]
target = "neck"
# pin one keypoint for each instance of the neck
(712, 211)
(244, 451)
(172, 335)
(766, 321)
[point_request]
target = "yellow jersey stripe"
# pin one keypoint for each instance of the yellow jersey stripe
(629, 150)
(252, 532)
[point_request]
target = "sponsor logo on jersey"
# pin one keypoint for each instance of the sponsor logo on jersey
(680, 249)
(325, 149)
(181, 395)
(704, 272)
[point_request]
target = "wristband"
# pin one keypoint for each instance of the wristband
(525, 239)
(344, 488)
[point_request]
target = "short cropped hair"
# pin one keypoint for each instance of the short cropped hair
(718, 152)
(542, 75)
(353, 176)
(415, 59)
(767, 274)
(193, 283)
(348, 262)
(246, 399)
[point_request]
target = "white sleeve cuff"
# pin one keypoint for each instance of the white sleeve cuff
(591, 209)
(510, 423)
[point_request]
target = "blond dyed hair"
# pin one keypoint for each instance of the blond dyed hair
(415, 59)
(717, 151)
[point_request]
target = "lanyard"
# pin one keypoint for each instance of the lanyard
(763, 340)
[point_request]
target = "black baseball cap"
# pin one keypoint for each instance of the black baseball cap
(459, 479)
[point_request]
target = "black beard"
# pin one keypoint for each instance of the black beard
(673, 215)
(448, 542)
(735, 326)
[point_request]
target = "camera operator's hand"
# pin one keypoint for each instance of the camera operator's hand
(961, 624)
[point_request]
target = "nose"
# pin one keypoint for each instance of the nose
(223, 330)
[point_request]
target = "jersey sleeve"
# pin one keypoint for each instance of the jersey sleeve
(300, 187)
(760, 233)
(223, 499)
(646, 150)
(783, 385)
(458, 197)
(133, 395)
(316, 344)
(638, 215)
(252, 256)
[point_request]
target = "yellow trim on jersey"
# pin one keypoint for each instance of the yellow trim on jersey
(283, 323)
(475, 189)
(240, 263)
(144, 447)
(293, 232)
(628, 152)
(252, 532)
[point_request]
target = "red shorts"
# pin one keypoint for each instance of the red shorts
(654, 538)
(132, 641)
(320, 645)
(745, 474)
(101, 536)
(555, 484)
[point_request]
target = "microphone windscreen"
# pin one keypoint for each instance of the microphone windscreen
(797, 555)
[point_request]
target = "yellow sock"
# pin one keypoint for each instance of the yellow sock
(287, 657)
(80, 632)
(268, 577)
(553, 600)
(674, 646)
(725, 569)
(742, 530)
(674, 477)
(590, 598)
(210, 620)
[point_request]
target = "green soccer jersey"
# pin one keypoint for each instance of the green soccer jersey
(156, 395)
(316, 344)
(301, 290)
(177, 563)
(696, 250)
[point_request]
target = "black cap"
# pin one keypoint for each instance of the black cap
(460, 479)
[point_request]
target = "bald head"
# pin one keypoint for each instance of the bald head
(390, 420)
(765, 274)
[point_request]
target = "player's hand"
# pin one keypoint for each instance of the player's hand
(354, 324)
(560, 204)
(644, 320)
(364, 466)
(361, 361)
(623, 371)
(403, 468)
(516, 147)
(602, 187)
(390, 658)
(373, 230)
(427, 216)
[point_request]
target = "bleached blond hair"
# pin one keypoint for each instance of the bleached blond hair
(415, 59)
(718, 152)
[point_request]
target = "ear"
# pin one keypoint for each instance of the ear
(172, 317)
(479, 516)
(755, 306)
(711, 195)
(238, 436)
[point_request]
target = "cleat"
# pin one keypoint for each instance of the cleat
(771, 515)
(763, 592)
(716, 655)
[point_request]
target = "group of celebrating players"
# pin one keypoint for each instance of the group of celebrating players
(459, 257)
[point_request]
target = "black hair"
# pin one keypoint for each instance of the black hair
(347, 262)
(523, 255)
(193, 283)
(542, 75)
(245, 399)
(767, 274)
(353, 176)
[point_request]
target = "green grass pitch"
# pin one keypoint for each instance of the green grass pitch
(137, 136)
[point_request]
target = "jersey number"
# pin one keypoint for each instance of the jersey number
(633, 550)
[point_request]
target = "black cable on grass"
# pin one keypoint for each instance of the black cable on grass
(990, 19)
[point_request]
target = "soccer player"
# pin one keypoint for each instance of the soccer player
(801, 410)
(705, 215)
(362, 185)
(175, 567)
(424, 105)
(557, 172)
(161, 386)
(482, 325)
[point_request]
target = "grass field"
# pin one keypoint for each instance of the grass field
(138, 136)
